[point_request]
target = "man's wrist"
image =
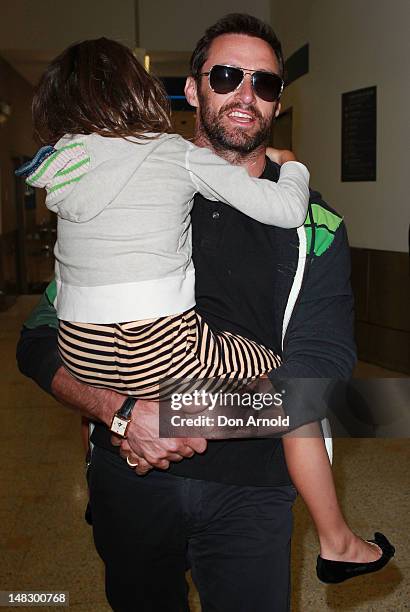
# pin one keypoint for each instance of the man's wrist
(122, 418)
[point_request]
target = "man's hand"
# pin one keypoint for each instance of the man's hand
(144, 445)
(280, 156)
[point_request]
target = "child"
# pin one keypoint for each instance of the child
(122, 188)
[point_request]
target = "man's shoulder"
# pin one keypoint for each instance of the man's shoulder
(321, 224)
(44, 313)
(320, 206)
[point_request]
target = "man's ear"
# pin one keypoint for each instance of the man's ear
(191, 91)
(277, 109)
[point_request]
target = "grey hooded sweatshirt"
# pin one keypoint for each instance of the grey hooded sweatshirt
(123, 250)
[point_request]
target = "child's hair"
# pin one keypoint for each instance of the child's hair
(98, 86)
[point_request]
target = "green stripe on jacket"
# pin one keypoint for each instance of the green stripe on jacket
(326, 224)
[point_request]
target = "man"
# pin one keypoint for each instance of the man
(225, 512)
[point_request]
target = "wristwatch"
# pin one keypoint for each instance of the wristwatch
(122, 417)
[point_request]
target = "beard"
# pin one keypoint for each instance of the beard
(237, 140)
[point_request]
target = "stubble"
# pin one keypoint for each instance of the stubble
(236, 145)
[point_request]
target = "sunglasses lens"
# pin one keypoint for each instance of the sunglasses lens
(224, 79)
(267, 86)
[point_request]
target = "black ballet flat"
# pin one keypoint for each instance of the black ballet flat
(332, 572)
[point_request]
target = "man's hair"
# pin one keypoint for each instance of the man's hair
(98, 86)
(235, 23)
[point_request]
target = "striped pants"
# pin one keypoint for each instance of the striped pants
(155, 358)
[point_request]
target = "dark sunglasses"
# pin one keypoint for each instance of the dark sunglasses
(224, 79)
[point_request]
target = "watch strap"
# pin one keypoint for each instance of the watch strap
(127, 407)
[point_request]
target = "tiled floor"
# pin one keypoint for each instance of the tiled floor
(46, 545)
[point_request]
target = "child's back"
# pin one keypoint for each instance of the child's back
(124, 238)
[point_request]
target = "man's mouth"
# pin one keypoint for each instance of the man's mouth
(240, 116)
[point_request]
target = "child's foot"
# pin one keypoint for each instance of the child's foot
(353, 550)
(355, 560)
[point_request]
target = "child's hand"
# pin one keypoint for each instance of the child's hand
(280, 156)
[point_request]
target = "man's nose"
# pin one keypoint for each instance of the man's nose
(245, 90)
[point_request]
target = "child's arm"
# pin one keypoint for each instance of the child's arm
(283, 203)
(280, 156)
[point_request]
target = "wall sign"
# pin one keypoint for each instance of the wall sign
(359, 135)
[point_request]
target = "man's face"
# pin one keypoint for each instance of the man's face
(239, 121)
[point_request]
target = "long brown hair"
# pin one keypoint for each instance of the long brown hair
(98, 86)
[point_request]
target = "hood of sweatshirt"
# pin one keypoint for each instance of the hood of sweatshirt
(83, 174)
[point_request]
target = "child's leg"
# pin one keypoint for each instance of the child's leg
(149, 358)
(311, 472)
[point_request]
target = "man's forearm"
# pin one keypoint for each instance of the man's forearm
(38, 358)
(96, 404)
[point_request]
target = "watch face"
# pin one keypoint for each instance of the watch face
(119, 426)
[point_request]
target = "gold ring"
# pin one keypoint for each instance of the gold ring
(132, 465)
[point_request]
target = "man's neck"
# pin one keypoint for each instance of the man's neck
(254, 161)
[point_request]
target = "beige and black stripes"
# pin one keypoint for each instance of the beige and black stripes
(153, 359)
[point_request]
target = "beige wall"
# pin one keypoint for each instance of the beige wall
(290, 20)
(353, 44)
